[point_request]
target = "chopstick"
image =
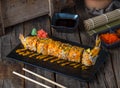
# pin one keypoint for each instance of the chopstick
(29, 79)
(48, 80)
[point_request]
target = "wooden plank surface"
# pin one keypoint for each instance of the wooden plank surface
(2, 31)
(16, 11)
(9, 42)
(0, 50)
(1, 83)
(115, 59)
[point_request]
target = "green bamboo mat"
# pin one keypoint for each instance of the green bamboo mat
(104, 27)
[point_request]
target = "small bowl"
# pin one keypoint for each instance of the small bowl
(65, 22)
(113, 45)
(109, 30)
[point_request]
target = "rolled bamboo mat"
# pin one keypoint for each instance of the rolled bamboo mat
(104, 27)
(102, 19)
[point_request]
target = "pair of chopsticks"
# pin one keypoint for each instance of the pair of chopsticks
(39, 76)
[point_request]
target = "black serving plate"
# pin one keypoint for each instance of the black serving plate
(78, 73)
(65, 22)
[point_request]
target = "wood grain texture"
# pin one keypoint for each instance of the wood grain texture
(0, 50)
(1, 83)
(9, 42)
(16, 11)
(115, 59)
(61, 4)
(2, 31)
(51, 7)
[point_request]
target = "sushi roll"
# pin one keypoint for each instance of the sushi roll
(47, 46)
(75, 54)
(63, 51)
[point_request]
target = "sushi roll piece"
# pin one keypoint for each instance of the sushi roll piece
(75, 54)
(42, 46)
(90, 56)
(63, 51)
(87, 58)
(51, 46)
(55, 49)
(29, 42)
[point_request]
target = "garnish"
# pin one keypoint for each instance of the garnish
(34, 32)
(42, 34)
(88, 50)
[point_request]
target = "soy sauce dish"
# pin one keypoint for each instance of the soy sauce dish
(65, 22)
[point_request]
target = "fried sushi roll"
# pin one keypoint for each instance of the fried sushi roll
(63, 51)
(47, 46)
(29, 42)
(75, 54)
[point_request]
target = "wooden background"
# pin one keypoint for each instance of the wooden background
(107, 77)
(15, 11)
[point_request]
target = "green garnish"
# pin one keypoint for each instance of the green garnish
(34, 31)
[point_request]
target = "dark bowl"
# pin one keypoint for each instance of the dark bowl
(109, 30)
(115, 44)
(65, 22)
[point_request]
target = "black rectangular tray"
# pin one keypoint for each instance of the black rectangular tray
(78, 73)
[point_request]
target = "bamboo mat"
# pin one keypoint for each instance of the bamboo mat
(102, 20)
(104, 27)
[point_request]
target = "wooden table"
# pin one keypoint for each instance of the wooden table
(108, 75)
